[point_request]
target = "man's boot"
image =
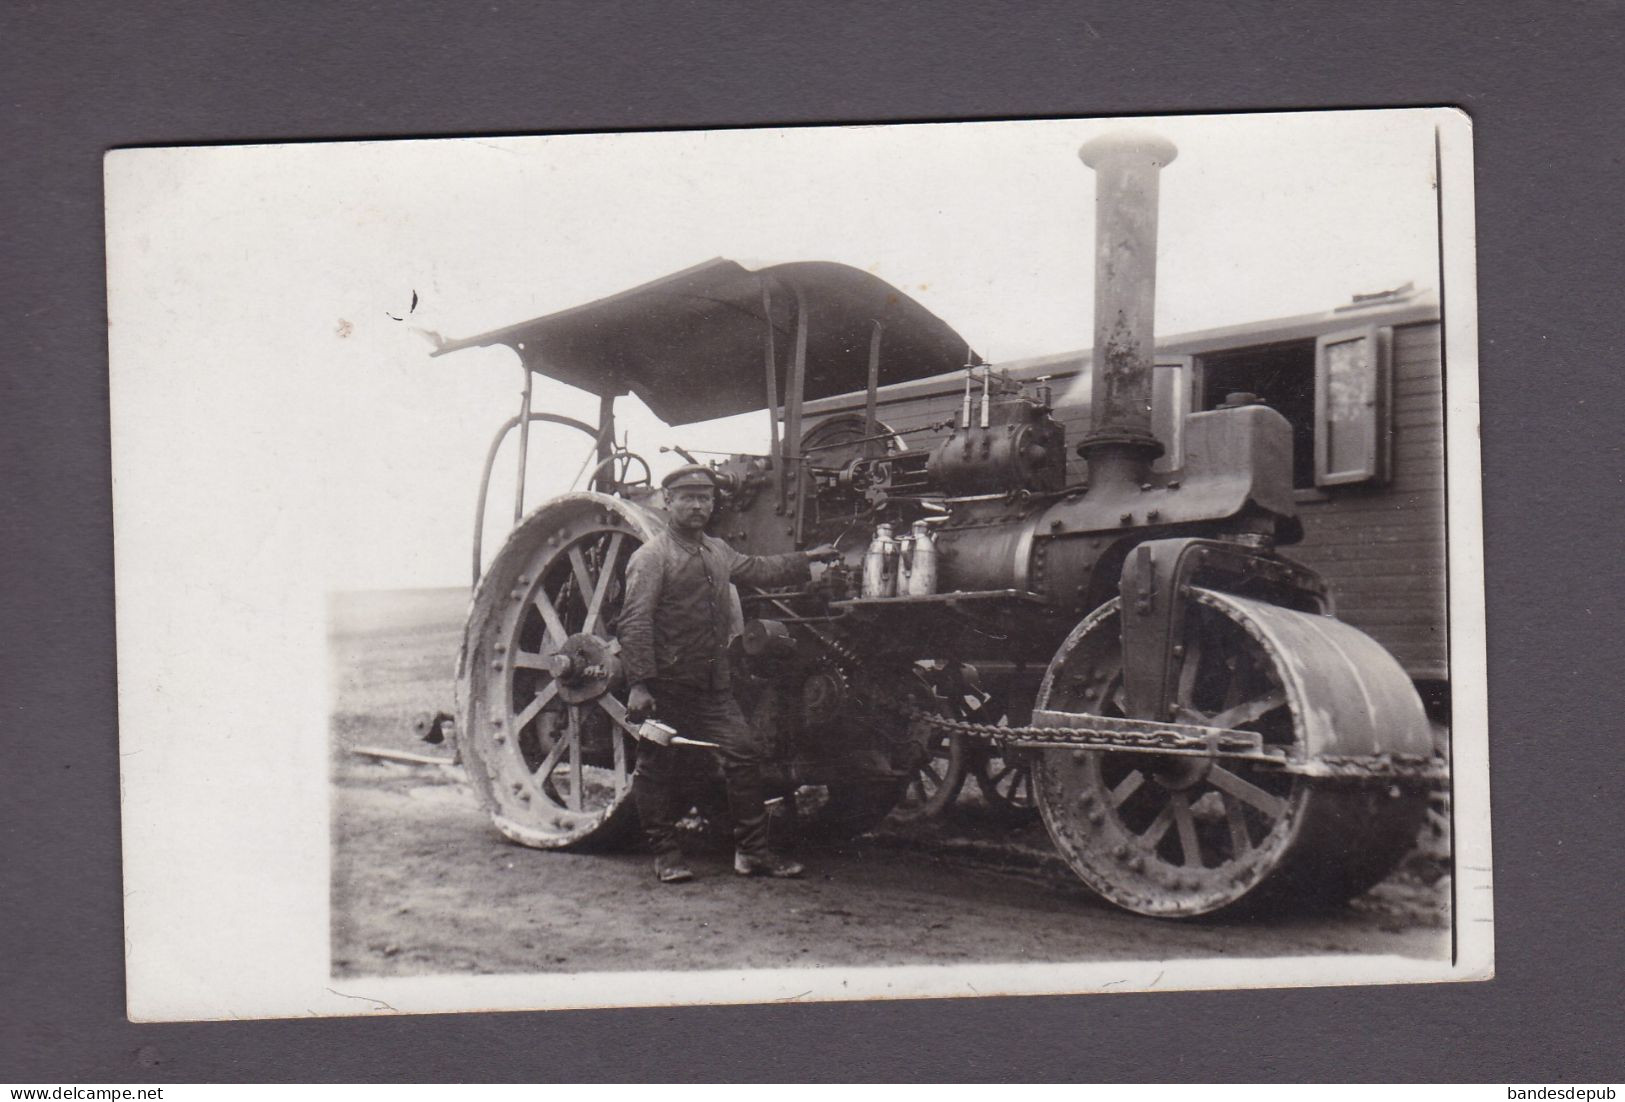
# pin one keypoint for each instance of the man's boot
(658, 810)
(749, 813)
(670, 868)
(766, 863)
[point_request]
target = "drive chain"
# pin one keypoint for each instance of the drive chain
(1138, 740)
(1385, 767)
(1377, 767)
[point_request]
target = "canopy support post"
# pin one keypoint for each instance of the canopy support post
(872, 446)
(792, 412)
(606, 442)
(524, 448)
(771, 360)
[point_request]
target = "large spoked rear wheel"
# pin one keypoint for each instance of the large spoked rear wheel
(1179, 836)
(540, 724)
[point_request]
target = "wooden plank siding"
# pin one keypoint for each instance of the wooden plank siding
(1381, 546)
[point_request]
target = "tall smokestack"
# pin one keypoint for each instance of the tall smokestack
(1127, 166)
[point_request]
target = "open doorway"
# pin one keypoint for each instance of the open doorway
(1283, 377)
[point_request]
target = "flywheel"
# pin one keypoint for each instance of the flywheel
(935, 783)
(1183, 835)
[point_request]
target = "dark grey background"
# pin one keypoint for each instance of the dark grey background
(1544, 87)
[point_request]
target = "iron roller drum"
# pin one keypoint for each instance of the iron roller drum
(542, 730)
(1184, 835)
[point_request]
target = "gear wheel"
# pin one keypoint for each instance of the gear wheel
(824, 693)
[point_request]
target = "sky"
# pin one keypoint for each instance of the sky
(268, 403)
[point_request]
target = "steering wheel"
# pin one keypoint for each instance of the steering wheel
(625, 459)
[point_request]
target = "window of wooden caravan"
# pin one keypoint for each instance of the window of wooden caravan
(1350, 404)
(1331, 390)
(1283, 377)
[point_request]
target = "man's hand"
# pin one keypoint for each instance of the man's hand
(640, 703)
(824, 552)
(652, 730)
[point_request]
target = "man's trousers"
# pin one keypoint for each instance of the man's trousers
(665, 774)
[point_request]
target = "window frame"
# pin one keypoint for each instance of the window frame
(1378, 435)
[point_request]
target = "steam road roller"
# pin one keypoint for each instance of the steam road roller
(1196, 728)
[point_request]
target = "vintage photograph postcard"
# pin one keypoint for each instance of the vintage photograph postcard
(824, 563)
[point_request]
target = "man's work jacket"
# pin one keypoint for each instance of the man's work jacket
(675, 619)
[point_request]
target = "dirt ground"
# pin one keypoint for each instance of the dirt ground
(423, 885)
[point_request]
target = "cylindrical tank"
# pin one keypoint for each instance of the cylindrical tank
(922, 572)
(975, 555)
(1022, 449)
(880, 564)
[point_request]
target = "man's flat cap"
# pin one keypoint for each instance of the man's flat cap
(690, 474)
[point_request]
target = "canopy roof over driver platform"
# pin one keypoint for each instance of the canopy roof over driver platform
(692, 345)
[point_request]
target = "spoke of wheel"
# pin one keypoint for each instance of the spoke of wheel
(1240, 843)
(537, 703)
(1159, 826)
(578, 564)
(1250, 712)
(1190, 849)
(572, 733)
(1191, 667)
(617, 711)
(554, 753)
(1245, 790)
(1002, 773)
(1127, 787)
(550, 617)
(525, 660)
(605, 570)
(1232, 693)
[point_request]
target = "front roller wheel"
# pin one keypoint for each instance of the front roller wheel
(541, 733)
(1178, 836)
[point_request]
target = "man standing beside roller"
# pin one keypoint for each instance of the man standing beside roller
(674, 630)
